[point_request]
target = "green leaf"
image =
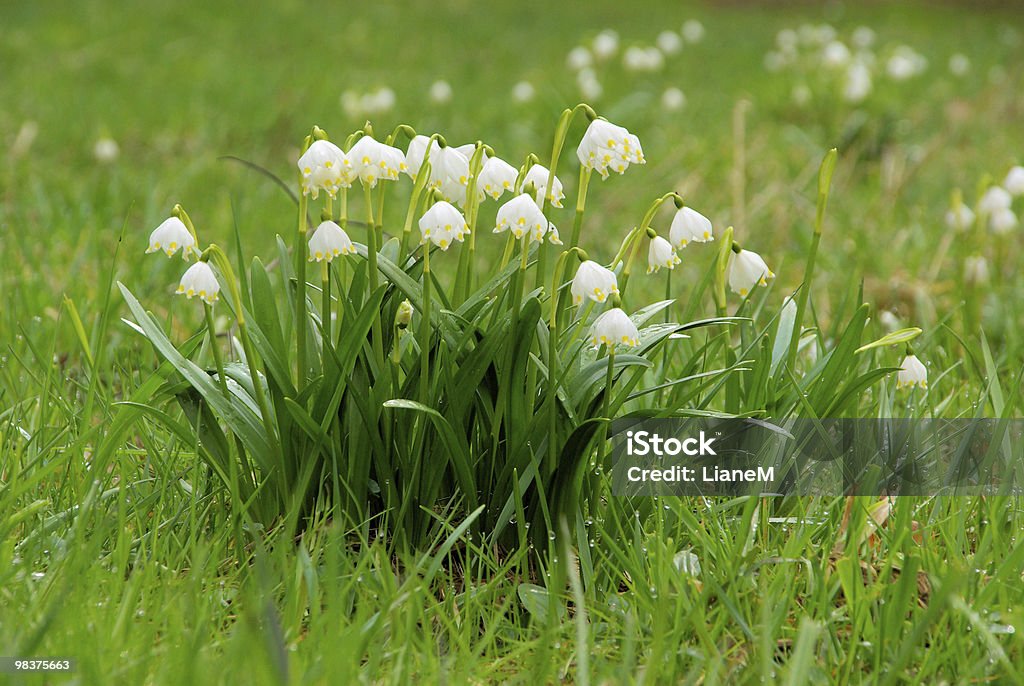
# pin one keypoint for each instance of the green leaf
(901, 336)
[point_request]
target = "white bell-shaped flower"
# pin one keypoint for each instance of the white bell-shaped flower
(523, 217)
(1003, 221)
(496, 177)
(538, 176)
(593, 281)
(614, 328)
(995, 198)
(606, 44)
(417, 152)
(689, 225)
(746, 270)
(1014, 182)
(199, 280)
(912, 373)
(552, 235)
(661, 254)
(374, 161)
(329, 241)
(443, 224)
(172, 235)
(960, 218)
(976, 270)
(324, 167)
(606, 146)
(449, 173)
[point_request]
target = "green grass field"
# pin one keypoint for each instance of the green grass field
(124, 548)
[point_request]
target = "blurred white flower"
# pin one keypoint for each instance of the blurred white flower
(786, 39)
(578, 58)
(466, 150)
(351, 103)
(442, 224)
(523, 92)
(593, 281)
(857, 83)
(590, 87)
(329, 241)
(496, 177)
(905, 63)
(863, 37)
(24, 139)
(693, 31)
(325, 167)
(106, 150)
(746, 270)
(614, 328)
(1003, 221)
(959, 218)
(383, 100)
(976, 270)
(801, 94)
(669, 42)
(538, 176)
(689, 225)
(661, 254)
(170, 236)
(1014, 182)
(655, 59)
(673, 99)
(374, 161)
(912, 373)
(522, 217)
(440, 92)
(959, 64)
(606, 146)
(634, 59)
(995, 198)
(774, 61)
(606, 44)
(888, 320)
(199, 280)
(835, 54)
(403, 317)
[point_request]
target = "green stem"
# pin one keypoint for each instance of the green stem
(581, 203)
(425, 328)
(218, 359)
(325, 306)
(553, 361)
(371, 240)
(300, 295)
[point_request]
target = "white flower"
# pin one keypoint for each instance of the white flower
(863, 37)
(835, 54)
(857, 82)
(976, 270)
(606, 146)
(786, 39)
(466, 150)
(538, 176)
(553, 238)
(960, 218)
(673, 99)
(1014, 182)
(689, 225)
(606, 44)
(106, 150)
(523, 217)
(590, 88)
(171, 236)
(912, 373)
(329, 241)
(449, 173)
(374, 161)
(801, 94)
(746, 270)
(593, 281)
(523, 92)
(614, 328)
(669, 42)
(634, 59)
(661, 254)
(888, 320)
(496, 177)
(416, 153)
(1003, 221)
(693, 31)
(324, 167)
(905, 63)
(995, 198)
(440, 92)
(199, 280)
(959, 64)
(443, 224)
(578, 58)
(381, 100)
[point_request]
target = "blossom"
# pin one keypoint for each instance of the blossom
(835, 54)
(538, 176)
(403, 316)
(552, 234)
(374, 161)
(606, 44)
(324, 167)
(673, 99)
(578, 58)
(693, 31)
(106, 150)
(863, 37)
(614, 328)
(857, 82)
(746, 269)
(1014, 182)
(440, 92)
(443, 224)
(669, 42)
(496, 177)
(593, 281)
(959, 64)
(607, 146)
(995, 198)
(976, 270)
(171, 235)
(199, 280)
(661, 254)
(960, 217)
(522, 216)
(523, 92)
(1003, 221)
(590, 87)
(329, 241)
(689, 225)
(912, 373)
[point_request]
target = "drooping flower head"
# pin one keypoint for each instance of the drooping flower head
(614, 328)
(538, 176)
(746, 270)
(443, 224)
(171, 236)
(1003, 221)
(329, 241)
(324, 167)
(496, 177)
(1014, 182)
(593, 281)
(661, 254)
(199, 280)
(374, 161)
(523, 217)
(606, 146)
(995, 198)
(689, 225)
(960, 218)
(912, 373)
(449, 173)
